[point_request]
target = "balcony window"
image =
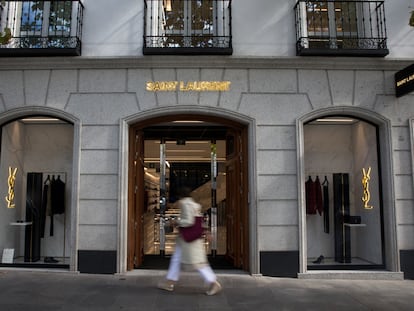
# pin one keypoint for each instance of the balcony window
(187, 27)
(343, 28)
(42, 28)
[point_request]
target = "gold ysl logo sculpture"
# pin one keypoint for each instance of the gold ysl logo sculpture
(365, 184)
(11, 181)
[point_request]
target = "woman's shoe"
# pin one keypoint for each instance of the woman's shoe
(214, 289)
(319, 260)
(167, 285)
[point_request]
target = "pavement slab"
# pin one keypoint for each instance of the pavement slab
(63, 291)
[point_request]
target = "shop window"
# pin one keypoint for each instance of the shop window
(35, 176)
(40, 27)
(341, 27)
(187, 27)
(344, 212)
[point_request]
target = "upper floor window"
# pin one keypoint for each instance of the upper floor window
(341, 28)
(41, 27)
(46, 17)
(187, 27)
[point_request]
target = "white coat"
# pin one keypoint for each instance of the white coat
(193, 253)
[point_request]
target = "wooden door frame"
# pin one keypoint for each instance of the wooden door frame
(135, 210)
(237, 160)
(131, 186)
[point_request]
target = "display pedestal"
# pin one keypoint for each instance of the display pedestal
(33, 214)
(8, 255)
(21, 223)
(341, 212)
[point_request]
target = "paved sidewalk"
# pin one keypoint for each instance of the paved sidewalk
(60, 291)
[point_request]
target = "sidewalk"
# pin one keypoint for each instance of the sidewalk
(61, 291)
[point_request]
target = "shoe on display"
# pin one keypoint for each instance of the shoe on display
(50, 260)
(214, 289)
(319, 259)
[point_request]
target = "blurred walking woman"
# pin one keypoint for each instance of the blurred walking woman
(189, 253)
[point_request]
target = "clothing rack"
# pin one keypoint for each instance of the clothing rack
(63, 177)
(317, 198)
(39, 205)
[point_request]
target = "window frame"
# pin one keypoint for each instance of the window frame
(345, 28)
(41, 28)
(162, 37)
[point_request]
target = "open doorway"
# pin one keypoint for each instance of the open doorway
(210, 157)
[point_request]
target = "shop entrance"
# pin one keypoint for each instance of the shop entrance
(205, 154)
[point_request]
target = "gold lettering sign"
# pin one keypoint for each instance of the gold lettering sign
(405, 80)
(182, 86)
(11, 180)
(365, 184)
(162, 86)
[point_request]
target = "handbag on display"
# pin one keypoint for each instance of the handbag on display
(194, 232)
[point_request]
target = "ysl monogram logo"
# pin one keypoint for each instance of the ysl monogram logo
(11, 180)
(365, 184)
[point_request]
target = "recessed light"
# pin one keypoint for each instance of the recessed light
(338, 120)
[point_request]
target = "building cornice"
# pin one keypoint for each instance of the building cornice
(205, 62)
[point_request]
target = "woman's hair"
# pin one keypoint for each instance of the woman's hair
(184, 192)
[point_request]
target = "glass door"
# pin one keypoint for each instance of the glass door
(171, 164)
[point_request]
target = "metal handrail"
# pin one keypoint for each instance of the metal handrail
(340, 27)
(41, 25)
(187, 25)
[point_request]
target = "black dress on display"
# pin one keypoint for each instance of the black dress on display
(57, 199)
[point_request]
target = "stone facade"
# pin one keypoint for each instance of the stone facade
(103, 92)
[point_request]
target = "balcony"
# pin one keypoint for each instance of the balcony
(340, 28)
(189, 27)
(40, 28)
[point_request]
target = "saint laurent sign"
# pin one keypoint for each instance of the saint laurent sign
(195, 86)
(404, 81)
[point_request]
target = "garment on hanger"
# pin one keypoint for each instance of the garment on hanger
(310, 196)
(313, 194)
(58, 196)
(57, 199)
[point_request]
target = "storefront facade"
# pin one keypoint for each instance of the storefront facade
(274, 123)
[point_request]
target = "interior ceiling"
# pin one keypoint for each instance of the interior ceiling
(188, 141)
(192, 151)
(191, 132)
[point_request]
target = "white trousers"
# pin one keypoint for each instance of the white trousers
(174, 269)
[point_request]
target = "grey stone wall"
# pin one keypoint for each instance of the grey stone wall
(274, 92)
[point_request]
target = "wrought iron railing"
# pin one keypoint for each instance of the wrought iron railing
(187, 27)
(341, 28)
(45, 28)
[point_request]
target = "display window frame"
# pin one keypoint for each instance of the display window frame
(70, 177)
(383, 125)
